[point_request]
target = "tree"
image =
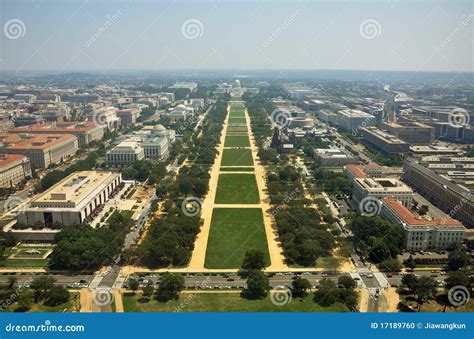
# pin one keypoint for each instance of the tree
(410, 262)
(423, 210)
(56, 296)
(254, 260)
(424, 290)
(458, 258)
(391, 265)
(459, 278)
(299, 287)
(410, 281)
(346, 282)
(327, 293)
(41, 286)
(258, 285)
(133, 284)
(148, 290)
(170, 287)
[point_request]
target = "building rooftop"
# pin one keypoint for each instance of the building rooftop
(356, 171)
(6, 159)
(56, 126)
(74, 189)
(32, 141)
(414, 220)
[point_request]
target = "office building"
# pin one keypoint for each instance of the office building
(423, 233)
(334, 157)
(85, 132)
(74, 200)
(453, 199)
(411, 132)
(105, 116)
(42, 149)
(353, 119)
(125, 153)
(384, 142)
(14, 168)
(379, 188)
(128, 116)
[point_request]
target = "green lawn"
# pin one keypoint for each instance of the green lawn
(236, 141)
(237, 121)
(237, 129)
(237, 113)
(219, 302)
(237, 157)
(237, 169)
(237, 189)
(26, 262)
(126, 214)
(233, 232)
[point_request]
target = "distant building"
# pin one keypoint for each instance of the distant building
(27, 119)
(180, 112)
(27, 98)
(412, 133)
(353, 119)
(42, 149)
(128, 116)
(423, 234)
(86, 132)
(334, 157)
(378, 188)
(328, 116)
(74, 200)
(384, 142)
(106, 116)
(14, 168)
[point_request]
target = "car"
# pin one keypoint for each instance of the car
(230, 279)
(442, 272)
(370, 275)
(428, 253)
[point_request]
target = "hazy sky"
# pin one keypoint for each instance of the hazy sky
(125, 34)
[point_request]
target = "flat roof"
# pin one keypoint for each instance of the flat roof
(66, 127)
(75, 187)
(32, 141)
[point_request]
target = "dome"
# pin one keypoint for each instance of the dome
(159, 128)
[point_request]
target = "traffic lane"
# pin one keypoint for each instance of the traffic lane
(60, 279)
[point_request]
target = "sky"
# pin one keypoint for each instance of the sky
(73, 35)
